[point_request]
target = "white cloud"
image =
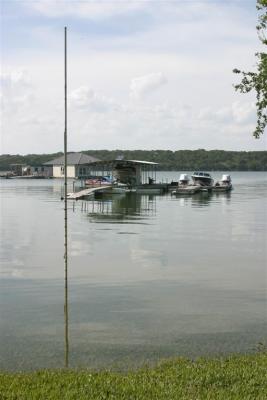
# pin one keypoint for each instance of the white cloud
(85, 98)
(17, 77)
(244, 112)
(108, 108)
(239, 113)
(96, 120)
(16, 90)
(147, 126)
(144, 85)
(86, 9)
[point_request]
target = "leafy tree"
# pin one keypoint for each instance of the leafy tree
(258, 80)
(180, 160)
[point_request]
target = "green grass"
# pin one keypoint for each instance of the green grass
(236, 377)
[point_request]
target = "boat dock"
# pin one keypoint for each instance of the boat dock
(85, 192)
(155, 188)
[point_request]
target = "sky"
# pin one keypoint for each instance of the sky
(146, 74)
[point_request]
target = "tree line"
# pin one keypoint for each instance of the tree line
(182, 160)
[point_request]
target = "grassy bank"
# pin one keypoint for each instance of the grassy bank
(236, 377)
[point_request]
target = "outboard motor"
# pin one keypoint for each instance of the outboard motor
(184, 179)
(226, 179)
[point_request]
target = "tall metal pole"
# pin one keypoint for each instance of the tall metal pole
(66, 210)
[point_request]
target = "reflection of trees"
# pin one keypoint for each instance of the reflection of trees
(129, 208)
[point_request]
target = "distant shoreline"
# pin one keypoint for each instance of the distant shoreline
(180, 160)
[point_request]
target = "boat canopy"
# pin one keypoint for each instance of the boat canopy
(184, 177)
(202, 174)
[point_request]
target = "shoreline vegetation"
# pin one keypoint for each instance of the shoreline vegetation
(180, 160)
(234, 377)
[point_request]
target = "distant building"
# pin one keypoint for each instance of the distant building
(27, 170)
(42, 170)
(18, 169)
(78, 165)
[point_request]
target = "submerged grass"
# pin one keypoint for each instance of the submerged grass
(237, 377)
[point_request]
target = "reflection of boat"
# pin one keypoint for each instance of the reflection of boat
(202, 199)
(202, 179)
(224, 185)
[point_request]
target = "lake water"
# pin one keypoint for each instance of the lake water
(149, 276)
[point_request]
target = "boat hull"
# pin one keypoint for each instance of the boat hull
(186, 190)
(222, 189)
(202, 181)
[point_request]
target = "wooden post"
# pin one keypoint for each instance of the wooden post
(66, 314)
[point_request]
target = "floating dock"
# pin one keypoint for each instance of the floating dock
(155, 188)
(152, 188)
(85, 192)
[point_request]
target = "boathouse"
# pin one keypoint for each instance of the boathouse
(78, 165)
(130, 172)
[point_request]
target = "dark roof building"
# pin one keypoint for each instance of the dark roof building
(78, 165)
(73, 159)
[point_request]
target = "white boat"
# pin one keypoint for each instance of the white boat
(184, 179)
(184, 186)
(202, 179)
(189, 189)
(224, 185)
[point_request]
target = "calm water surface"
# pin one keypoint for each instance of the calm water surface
(149, 276)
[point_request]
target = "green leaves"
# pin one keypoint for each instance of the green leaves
(258, 80)
(180, 160)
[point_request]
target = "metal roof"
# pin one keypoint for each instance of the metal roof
(143, 162)
(108, 162)
(73, 159)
